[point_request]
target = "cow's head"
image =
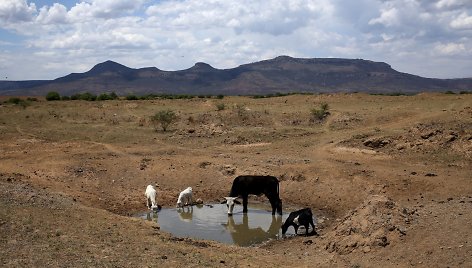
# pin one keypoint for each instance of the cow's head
(284, 228)
(230, 201)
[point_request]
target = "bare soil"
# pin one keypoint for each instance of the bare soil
(389, 178)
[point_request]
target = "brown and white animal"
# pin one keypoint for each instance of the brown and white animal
(298, 218)
(243, 186)
(151, 194)
(185, 198)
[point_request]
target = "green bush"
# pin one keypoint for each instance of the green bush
(131, 97)
(321, 113)
(163, 119)
(18, 101)
(84, 96)
(52, 96)
(88, 96)
(220, 106)
(113, 96)
(14, 100)
(103, 96)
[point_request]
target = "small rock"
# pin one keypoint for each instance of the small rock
(450, 138)
(376, 142)
(401, 230)
(382, 241)
(366, 249)
(401, 146)
(308, 242)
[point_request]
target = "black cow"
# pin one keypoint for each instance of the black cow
(243, 186)
(297, 218)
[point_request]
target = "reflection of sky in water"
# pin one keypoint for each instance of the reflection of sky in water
(213, 223)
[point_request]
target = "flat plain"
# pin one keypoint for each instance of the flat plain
(388, 177)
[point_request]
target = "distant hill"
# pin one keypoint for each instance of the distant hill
(282, 74)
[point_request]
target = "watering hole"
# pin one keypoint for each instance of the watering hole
(211, 222)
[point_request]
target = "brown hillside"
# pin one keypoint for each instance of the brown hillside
(389, 178)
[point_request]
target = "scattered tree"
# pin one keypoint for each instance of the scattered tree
(164, 119)
(131, 97)
(18, 101)
(220, 106)
(321, 113)
(240, 109)
(53, 96)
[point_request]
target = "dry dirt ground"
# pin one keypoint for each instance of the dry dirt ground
(389, 178)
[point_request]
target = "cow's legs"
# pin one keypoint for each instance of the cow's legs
(275, 202)
(306, 228)
(272, 204)
(313, 225)
(245, 203)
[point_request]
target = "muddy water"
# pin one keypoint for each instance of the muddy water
(211, 222)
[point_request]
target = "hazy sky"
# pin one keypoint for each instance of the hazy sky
(48, 39)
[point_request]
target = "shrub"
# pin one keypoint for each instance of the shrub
(321, 113)
(240, 109)
(113, 96)
(84, 96)
(220, 106)
(164, 119)
(52, 96)
(18, 101)
(131, 97)
(104, 96)
(88, 96)
(75, 97)
(14, 100)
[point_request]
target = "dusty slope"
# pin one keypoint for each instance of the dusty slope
(389, 176)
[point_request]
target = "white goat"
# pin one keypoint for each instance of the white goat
(185, 198)
(151, 197)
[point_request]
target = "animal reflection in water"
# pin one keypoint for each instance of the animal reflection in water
(243, 235)
(186, 213)
(151, 215)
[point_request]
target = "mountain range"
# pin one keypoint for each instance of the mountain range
(282, 74)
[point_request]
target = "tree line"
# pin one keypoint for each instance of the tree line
(55, 96)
